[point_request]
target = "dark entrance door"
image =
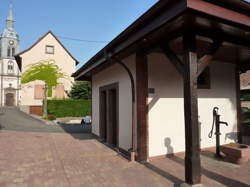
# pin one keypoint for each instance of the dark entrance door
(103, 115)
(9, 99)
(112, 117)
(109, 114)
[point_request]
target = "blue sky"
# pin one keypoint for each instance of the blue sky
(99, 20)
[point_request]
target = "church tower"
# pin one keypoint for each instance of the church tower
(9, 71)
(9, 39)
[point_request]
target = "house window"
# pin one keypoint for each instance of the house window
(203, 81)
(10, 67)
(8, 52)
(39, 91)
(49, 49)
(13, 51)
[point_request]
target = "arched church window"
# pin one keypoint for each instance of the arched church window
(10, 67)
(13, 51)
(8, 52)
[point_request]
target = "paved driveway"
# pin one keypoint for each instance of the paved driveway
(60, 159)
(45, 159)
(13, 119)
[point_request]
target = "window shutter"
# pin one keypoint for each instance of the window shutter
(39, 91)
(59, 92)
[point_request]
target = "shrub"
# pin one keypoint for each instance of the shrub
(69, 107)
(51, 117)
(245, 97)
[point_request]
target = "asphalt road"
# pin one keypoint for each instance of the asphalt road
(13, 119)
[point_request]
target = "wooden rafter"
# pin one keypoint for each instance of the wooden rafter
(205, 61)
(173, 58)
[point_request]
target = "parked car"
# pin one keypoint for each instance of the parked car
(86, 120)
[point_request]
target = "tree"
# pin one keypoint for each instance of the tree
(80, 90)
(46, 71)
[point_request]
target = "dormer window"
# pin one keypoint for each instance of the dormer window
(10, 67)
(49, 49)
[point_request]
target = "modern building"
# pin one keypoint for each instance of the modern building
(9, 71)
(48, 47)
(155, 86)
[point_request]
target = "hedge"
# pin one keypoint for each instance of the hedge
(245, 97)
(69, 108)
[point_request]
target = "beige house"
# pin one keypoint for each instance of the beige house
(47, 47)
(155, 86)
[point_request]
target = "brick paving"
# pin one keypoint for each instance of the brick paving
(59, 159)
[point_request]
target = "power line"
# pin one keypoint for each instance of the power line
(82, 40)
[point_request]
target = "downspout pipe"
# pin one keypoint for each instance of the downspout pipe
(133, 150)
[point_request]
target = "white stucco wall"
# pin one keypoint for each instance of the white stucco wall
(115, 74)
(37, 53)
(166, 106)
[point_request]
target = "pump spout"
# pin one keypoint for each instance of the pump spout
(222, 122)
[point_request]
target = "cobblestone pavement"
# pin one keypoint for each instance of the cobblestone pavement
(33, 154)
(60, 159)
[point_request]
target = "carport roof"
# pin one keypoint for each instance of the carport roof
(230, 15)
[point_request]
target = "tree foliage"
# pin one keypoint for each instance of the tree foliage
(80, 90)
(44, 70)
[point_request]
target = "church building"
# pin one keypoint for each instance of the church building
(9, 71)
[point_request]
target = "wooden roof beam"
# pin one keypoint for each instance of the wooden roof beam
(173, 58)
(205, 61)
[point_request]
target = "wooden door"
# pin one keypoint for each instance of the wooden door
(36, 110)
(109, 114)
(10, 99)
(103, 115)
(112, 117)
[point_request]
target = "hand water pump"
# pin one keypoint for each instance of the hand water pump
(216, 123)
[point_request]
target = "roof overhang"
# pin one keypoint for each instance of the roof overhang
(170, 19)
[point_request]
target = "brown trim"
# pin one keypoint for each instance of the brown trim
(19, 59)
(107, 89)
(218, 11)
(142, 106)
(238, 104)
(236, 5)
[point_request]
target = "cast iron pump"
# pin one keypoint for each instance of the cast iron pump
(216, 123)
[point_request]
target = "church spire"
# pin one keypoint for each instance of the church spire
(10, 18)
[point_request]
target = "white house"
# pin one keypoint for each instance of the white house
(48, 47)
